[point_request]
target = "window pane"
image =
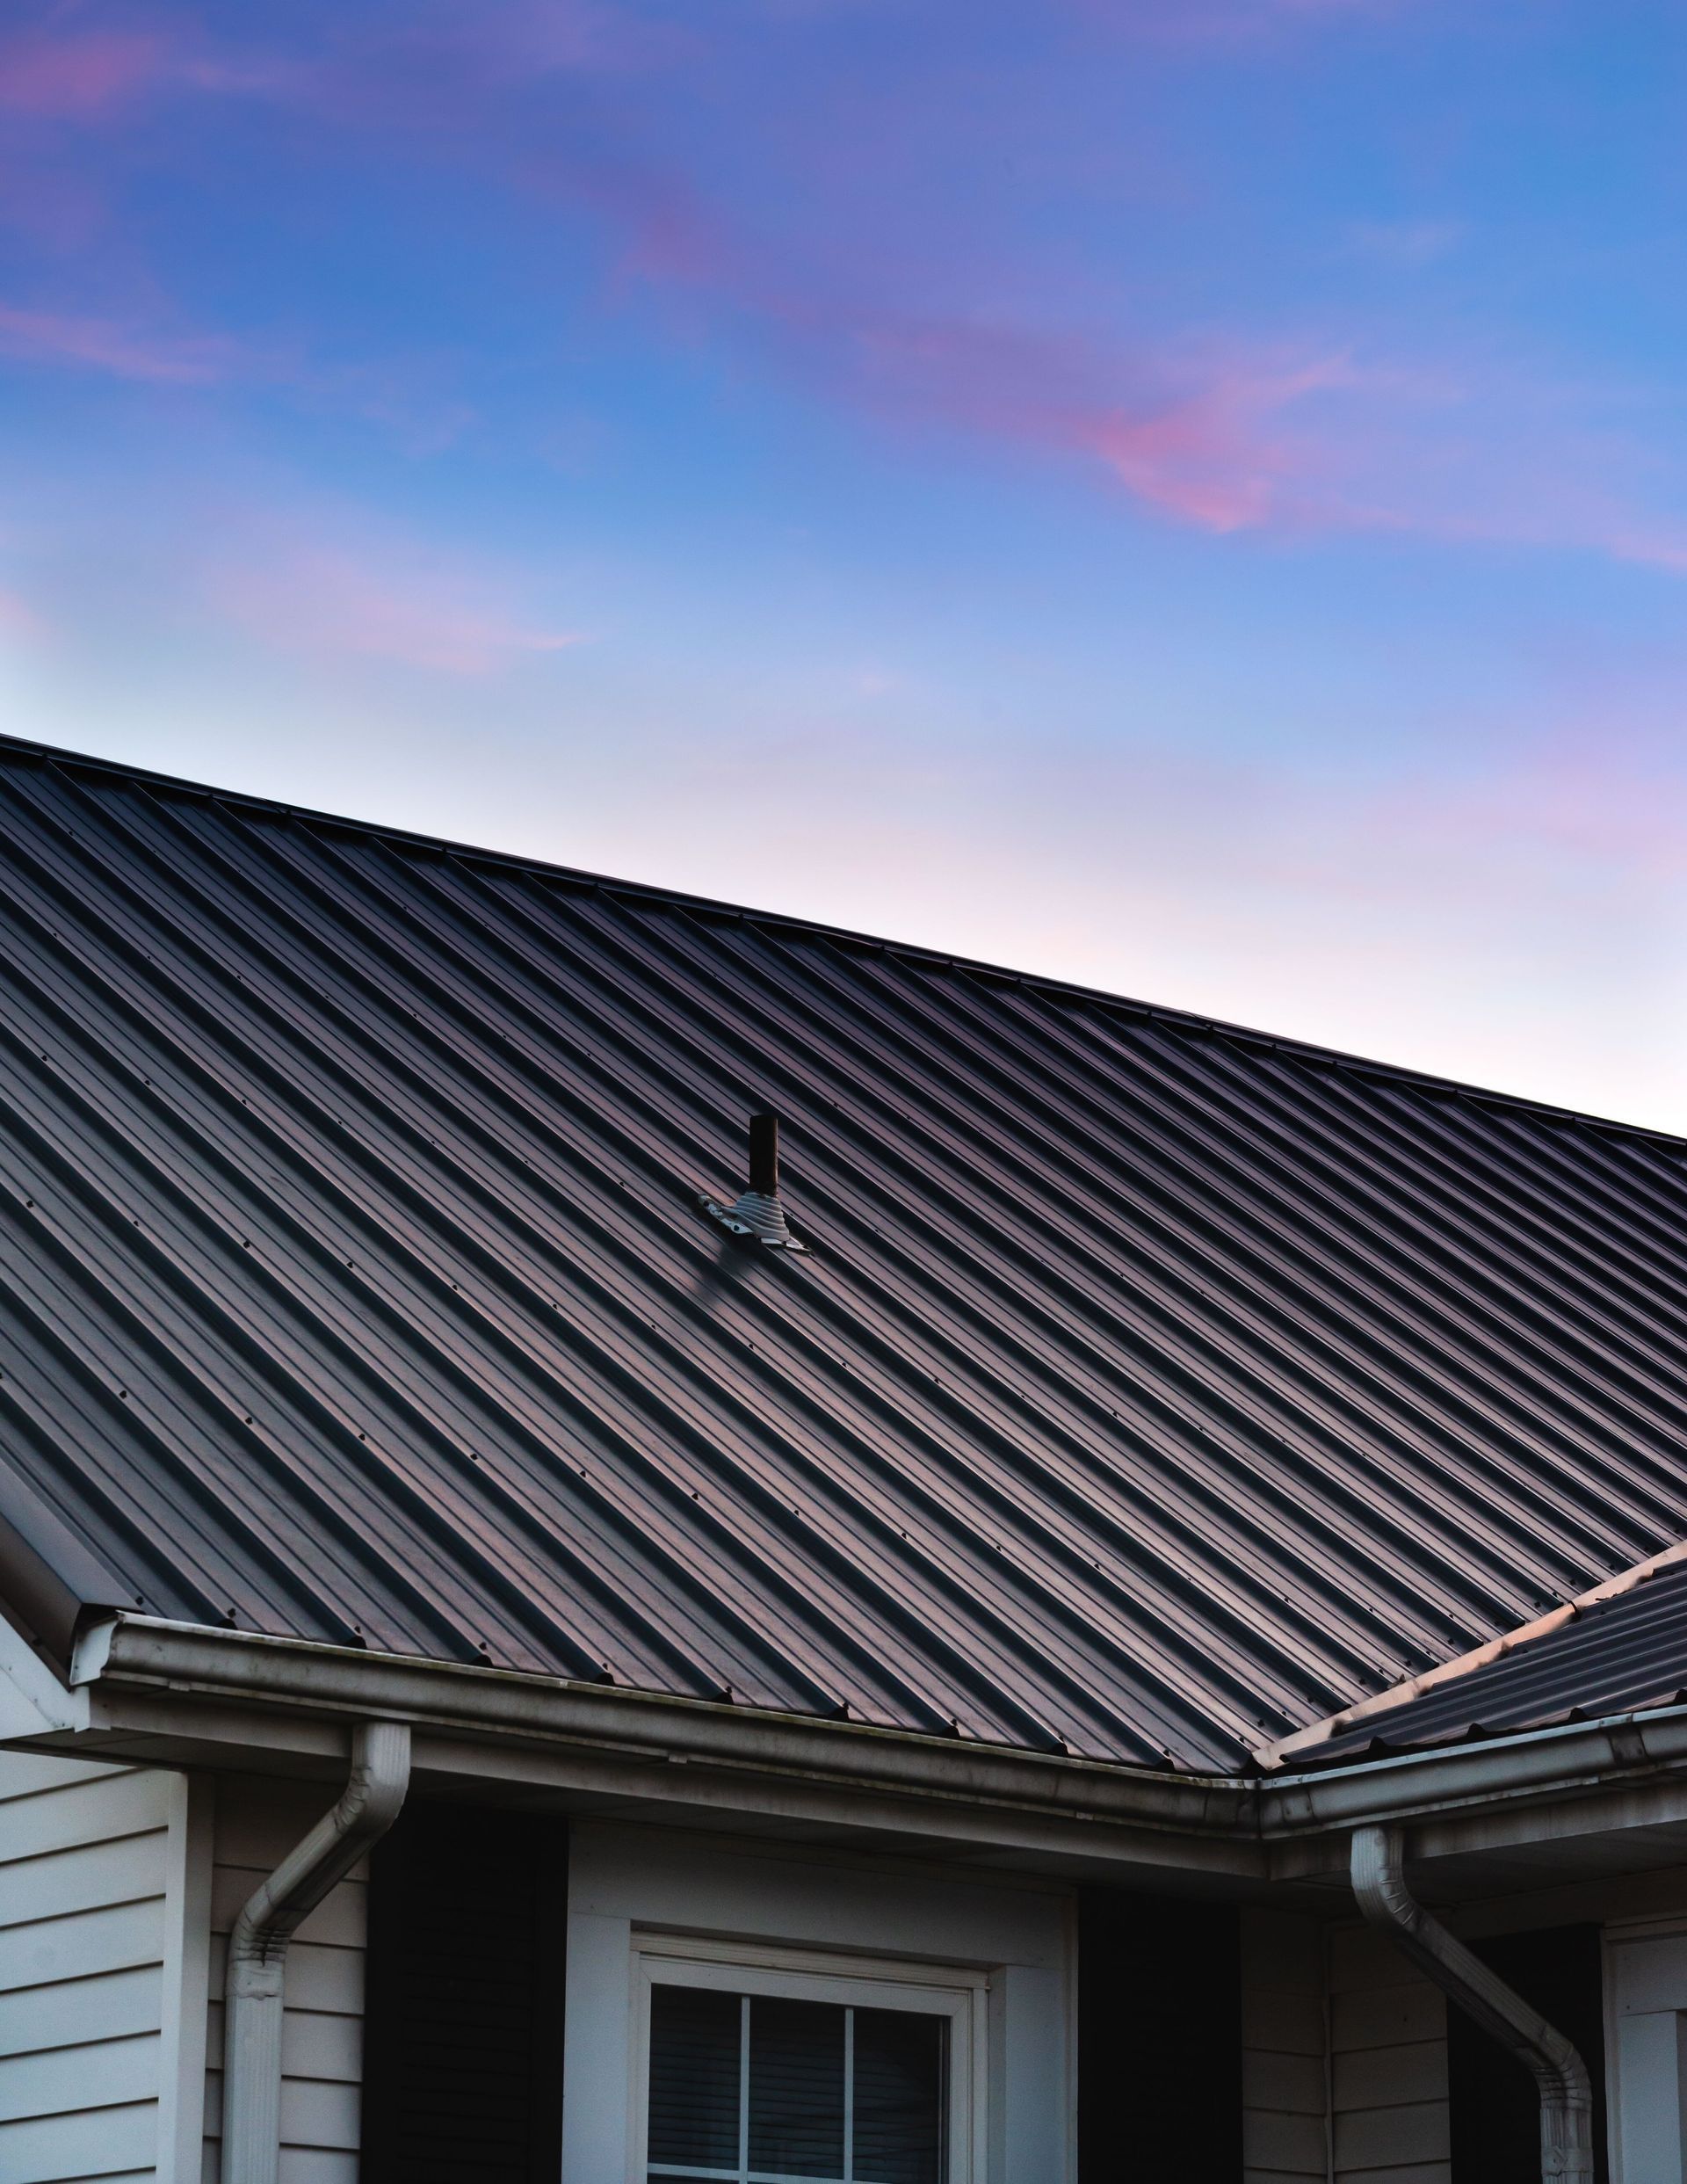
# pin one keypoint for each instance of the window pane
(694, 2077)
(796, 2087)
(899, 2097)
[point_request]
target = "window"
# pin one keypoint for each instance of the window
(776, 2068)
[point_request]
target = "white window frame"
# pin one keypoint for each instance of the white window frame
(1646, 2048)
(959, 1996)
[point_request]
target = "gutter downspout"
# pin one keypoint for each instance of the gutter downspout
(1566, 2090)
(257, 1948)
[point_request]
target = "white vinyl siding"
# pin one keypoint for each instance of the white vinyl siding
(1388, 2040)
(94, 1898)
(1344, 2057)
(258, 1823)
(1284, 2069)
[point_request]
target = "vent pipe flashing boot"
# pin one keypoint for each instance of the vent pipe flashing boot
(758, 1213)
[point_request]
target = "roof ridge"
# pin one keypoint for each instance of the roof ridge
(13, 748)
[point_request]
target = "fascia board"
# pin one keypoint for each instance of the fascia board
(127, 1657)
(137, 1654)
(208, 1735)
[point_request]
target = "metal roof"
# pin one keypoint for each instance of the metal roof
(1617, 1656)
(1150, 1387)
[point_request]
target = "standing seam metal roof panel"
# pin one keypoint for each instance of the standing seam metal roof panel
(1610, 1656)
(1151, 1387)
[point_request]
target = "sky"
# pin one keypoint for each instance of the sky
(1186, 496)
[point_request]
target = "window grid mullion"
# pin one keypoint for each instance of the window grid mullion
(743, 2092)
(849, 2095)
(733, 2176)
(743, 2173)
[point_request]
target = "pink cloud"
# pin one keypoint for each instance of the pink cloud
(1226, 434)
(1321, 443)
(18, 617)
(70, 78)
(378, 601)
(1219, 435)
(1200, 438)
(410, 399)
(1191, 434)
(444, 71)
(1306, 440)
(1302, 438)
(99, 344)
(1205, 21)
(1194, 433)
(1197, 460)
(1195, 436)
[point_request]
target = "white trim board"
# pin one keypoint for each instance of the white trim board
(1646, 2049)
(33, 1702)
(636, 1892)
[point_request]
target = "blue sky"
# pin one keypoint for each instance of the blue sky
(1190, 497)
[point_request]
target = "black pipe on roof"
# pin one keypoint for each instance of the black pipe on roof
(764, 1155)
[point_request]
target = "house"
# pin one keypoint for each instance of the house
(1122, 1614)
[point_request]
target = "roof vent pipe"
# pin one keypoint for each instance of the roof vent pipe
(1559, 2072)
(757, 1214)
(765, 1155)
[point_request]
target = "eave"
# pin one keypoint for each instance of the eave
(179, 1695)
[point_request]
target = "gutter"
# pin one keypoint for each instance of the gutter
(139, 1654)
(1581, 1755)
(257, 1948)
(1560, 2074)
(132, 1654)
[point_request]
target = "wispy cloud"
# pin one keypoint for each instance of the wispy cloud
(1318, 436)
(18, 617)
(1196, 437)
(1333, 431)
(1232, 24)
(443, 71)
(1321, 430)
(335, 588)
(1405, 245)
(71, 75)
(123, 351)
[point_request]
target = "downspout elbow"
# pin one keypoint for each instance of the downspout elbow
(257, 1948)
(1560, 2075)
